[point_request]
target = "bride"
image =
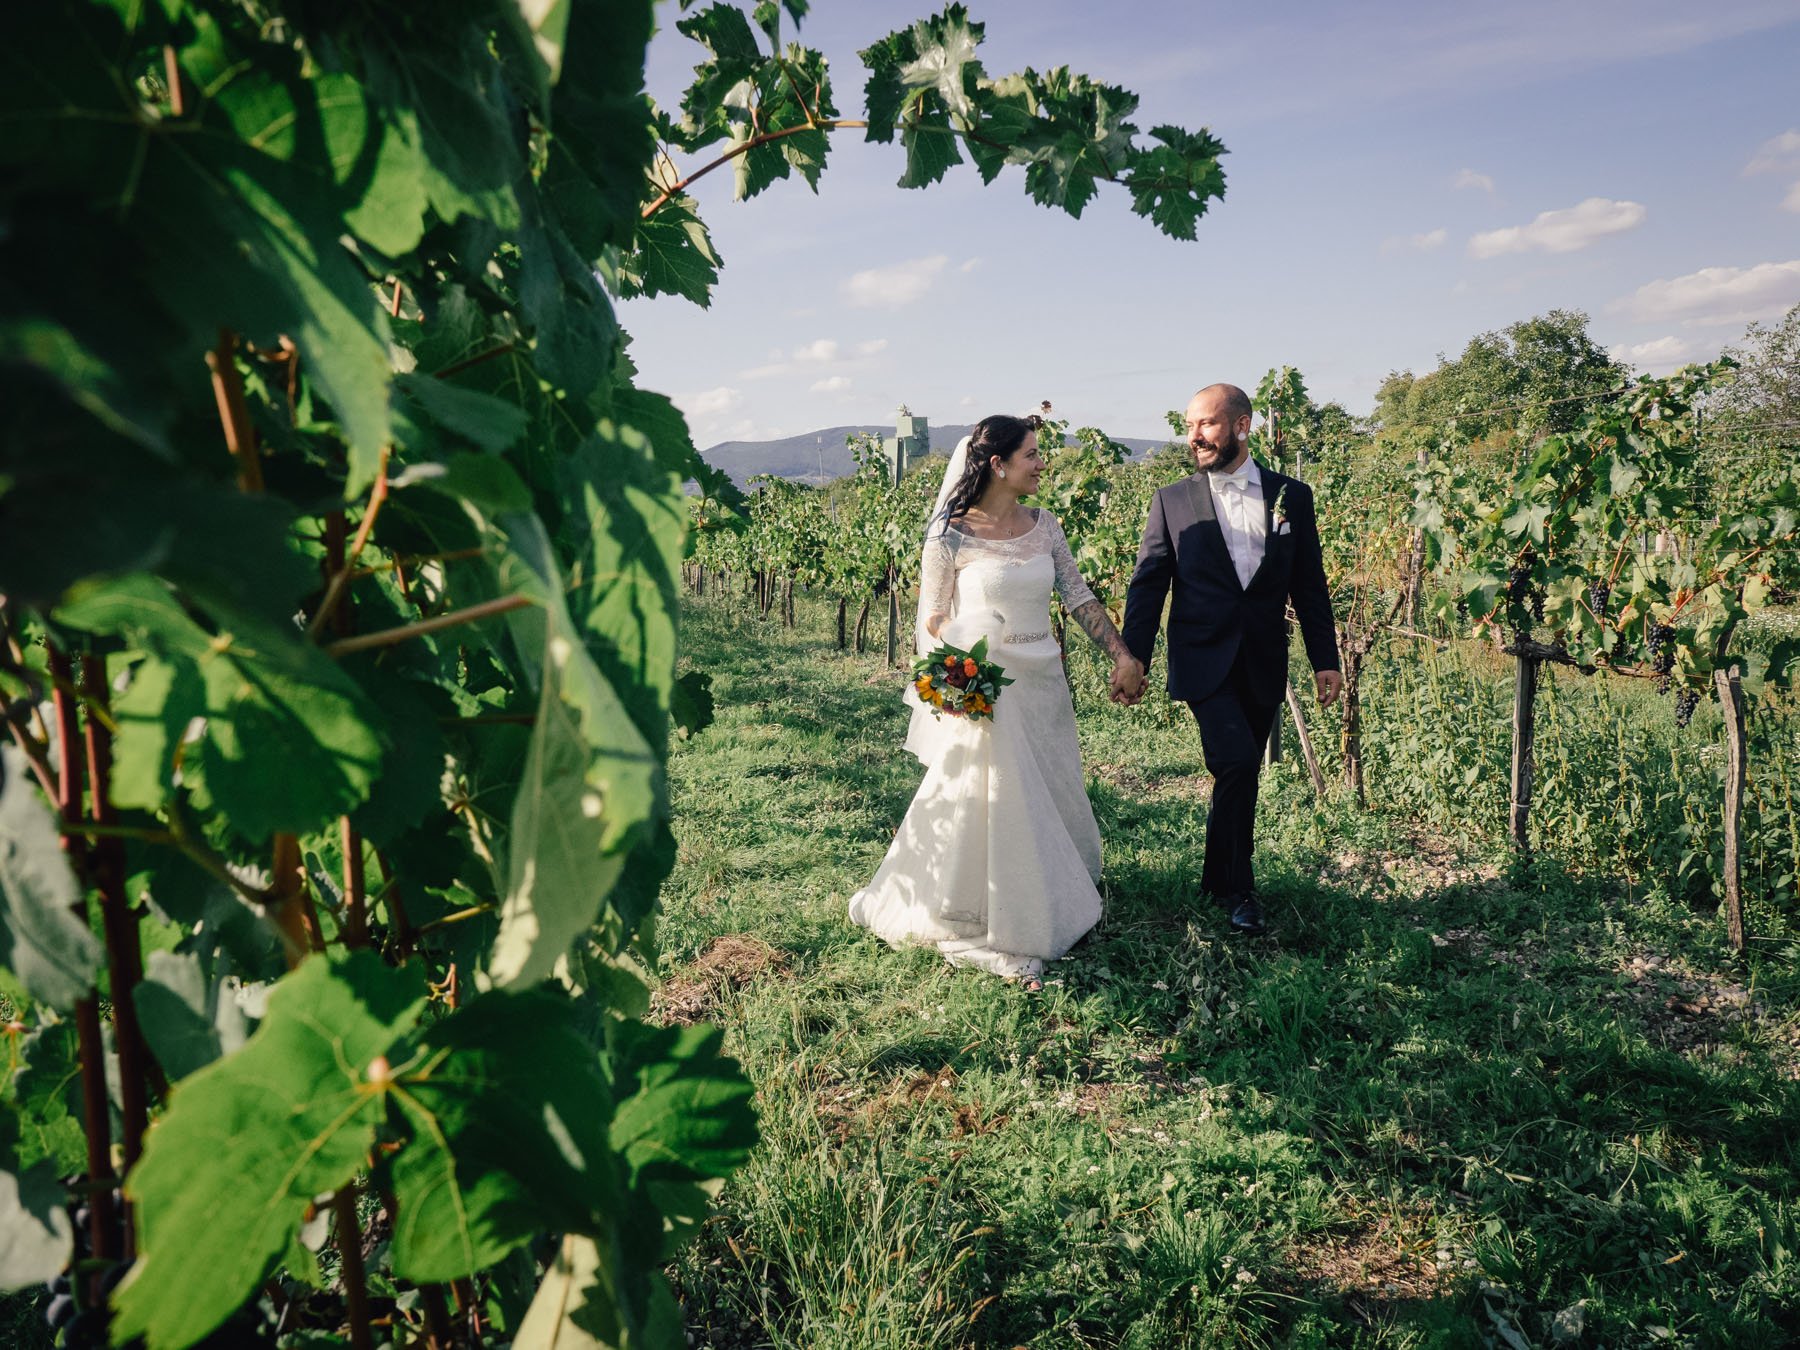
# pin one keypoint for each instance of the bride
(997, 858)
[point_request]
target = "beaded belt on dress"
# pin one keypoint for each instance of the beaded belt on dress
(1026, 637)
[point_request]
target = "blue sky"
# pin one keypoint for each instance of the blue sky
(1402, 175)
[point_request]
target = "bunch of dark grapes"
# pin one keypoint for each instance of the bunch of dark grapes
(1519, 589)
(1685, 703)
(1661, 647)
(81, 1327)
(1598, 594)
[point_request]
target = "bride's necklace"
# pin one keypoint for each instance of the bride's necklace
(1011, 526)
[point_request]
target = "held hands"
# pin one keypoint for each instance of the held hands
(1128, 681)
(1328, 683)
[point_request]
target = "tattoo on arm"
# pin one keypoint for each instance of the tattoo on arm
(1094, 622)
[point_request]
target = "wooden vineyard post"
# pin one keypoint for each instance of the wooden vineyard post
(1524, 734)
(893, 585)
(893, 572)
(1306, 745)
(1415, 564)
(1731, 704)
(1352, 739)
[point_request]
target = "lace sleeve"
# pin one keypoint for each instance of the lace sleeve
(937, 577)
(1070, 584)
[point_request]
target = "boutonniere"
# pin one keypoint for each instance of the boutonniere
(1279, 511)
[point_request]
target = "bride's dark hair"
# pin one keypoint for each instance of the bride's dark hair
(1000, 435)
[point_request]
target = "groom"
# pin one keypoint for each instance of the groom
(1236, 543)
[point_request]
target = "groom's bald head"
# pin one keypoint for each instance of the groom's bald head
(1234, 402)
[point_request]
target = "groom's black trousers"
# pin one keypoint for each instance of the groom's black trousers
(1235, 722)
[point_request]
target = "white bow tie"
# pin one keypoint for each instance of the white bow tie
(1239, 480)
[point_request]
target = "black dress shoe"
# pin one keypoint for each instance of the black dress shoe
(1247, 917)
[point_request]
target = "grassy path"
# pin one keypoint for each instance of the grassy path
(1444, 1105)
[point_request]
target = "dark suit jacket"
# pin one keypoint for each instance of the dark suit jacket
(1213, 618)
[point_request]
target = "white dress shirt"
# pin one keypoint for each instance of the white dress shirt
(1238, 503)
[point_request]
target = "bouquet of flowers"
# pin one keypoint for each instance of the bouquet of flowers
(961, 683)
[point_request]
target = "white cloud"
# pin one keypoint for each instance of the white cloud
(743, 429)
(1468, 178)
(970, 265)
(834, 384)
(1791, 202)
(811, 357)
(818, 353)
(898, 284)
(1658, 356)
(711, 403)
(1718, 295)
(1777, 154)
(1415, 243)
(1561, 231)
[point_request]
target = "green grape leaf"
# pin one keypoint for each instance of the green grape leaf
(36, 1237)
(945, 63)
(375, 161)
(411, 784)
(95, 380)
(685, 1206)
(1170, 183)
(189, 1018)
(600, 124)
(508, 1111)
(259, 689)
(221, 542)
(453, 99)
(1057, 175)
(240, 214)
(684, 1109)
(671, 254)
(47, 1095)
(626, 524)
(42, 941)
(153, 715)
(491, 423)
(590, 783)
(932, 150)
(545, 23)
(486, 482)
(724, 83)
(574, 330)
(884, 94)
(249, 1141)
(1008, 118)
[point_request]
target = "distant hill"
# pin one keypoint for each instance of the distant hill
(822, 455)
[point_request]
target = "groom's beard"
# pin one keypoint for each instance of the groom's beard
(1207, 458)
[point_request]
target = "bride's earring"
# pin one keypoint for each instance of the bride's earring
(1001, 472)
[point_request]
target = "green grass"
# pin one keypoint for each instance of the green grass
(1441, 1106)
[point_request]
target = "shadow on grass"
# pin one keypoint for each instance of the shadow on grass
(1406, 1067)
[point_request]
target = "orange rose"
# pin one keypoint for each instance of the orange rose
(969, 666)
(950, 663)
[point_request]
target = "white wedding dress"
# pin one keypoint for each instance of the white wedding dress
(997, 859)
